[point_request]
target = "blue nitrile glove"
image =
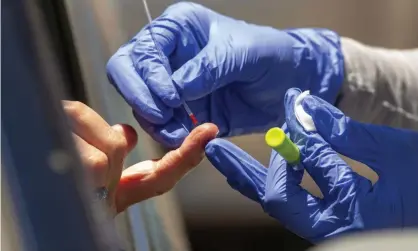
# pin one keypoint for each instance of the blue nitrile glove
(350, 201)
(229, 72)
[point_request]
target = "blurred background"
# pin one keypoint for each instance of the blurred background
(203, 212)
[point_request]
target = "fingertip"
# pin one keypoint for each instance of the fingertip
(219, 149)
(289, 102)
(207, 131)
(199, 137)
(65, 103)
(216, 156)
(213, 145)
(243, 173)
(292, 113)
(309, 104)
(325, 116)
(292, 93)
(128, 133)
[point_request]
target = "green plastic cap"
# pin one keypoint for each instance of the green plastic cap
(278, 140)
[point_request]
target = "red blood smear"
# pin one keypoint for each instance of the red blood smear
(193, 118)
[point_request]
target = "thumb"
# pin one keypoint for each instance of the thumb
(332, 175)
(366, 143)
(175, 164)
(353, 139)
(204, 73)
(155, 177)
(243, 172)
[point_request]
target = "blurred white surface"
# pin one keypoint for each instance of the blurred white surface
(383, 241)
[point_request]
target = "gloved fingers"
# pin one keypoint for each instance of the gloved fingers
(171, 134)
(281, 175)
(197, 77)
(122, 74)
(243, 172)
(178, 34)
(332, 175)
(278, 169)
(285, 199)
(294, 129)
(355, 140)
(212, 68)
(150, 58)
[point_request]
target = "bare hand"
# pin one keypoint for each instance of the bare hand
(103, 149)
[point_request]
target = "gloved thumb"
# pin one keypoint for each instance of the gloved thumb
(321, 161)
(243, 172)
(206, 72)
(366, 143)
(351, 138)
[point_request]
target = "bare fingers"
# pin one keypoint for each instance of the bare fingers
(154, 177)
(99, 142)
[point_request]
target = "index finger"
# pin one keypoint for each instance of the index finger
(89, 125)
(150, 55)
(115, 141)
(124, 77)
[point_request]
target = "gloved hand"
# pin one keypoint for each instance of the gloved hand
(229, 72)
(350, 201)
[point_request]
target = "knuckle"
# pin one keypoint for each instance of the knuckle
(98, 161)
(195, 160)
(273, 199)
(177, 154)
(119, 145)
(98, 166)
(192, 158)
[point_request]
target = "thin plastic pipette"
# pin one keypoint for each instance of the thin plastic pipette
(186, 107)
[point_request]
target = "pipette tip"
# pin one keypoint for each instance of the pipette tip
(193, 118)
(190, 113)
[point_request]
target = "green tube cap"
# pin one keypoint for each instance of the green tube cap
(278, 140)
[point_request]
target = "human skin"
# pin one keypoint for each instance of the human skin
(103, 149)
